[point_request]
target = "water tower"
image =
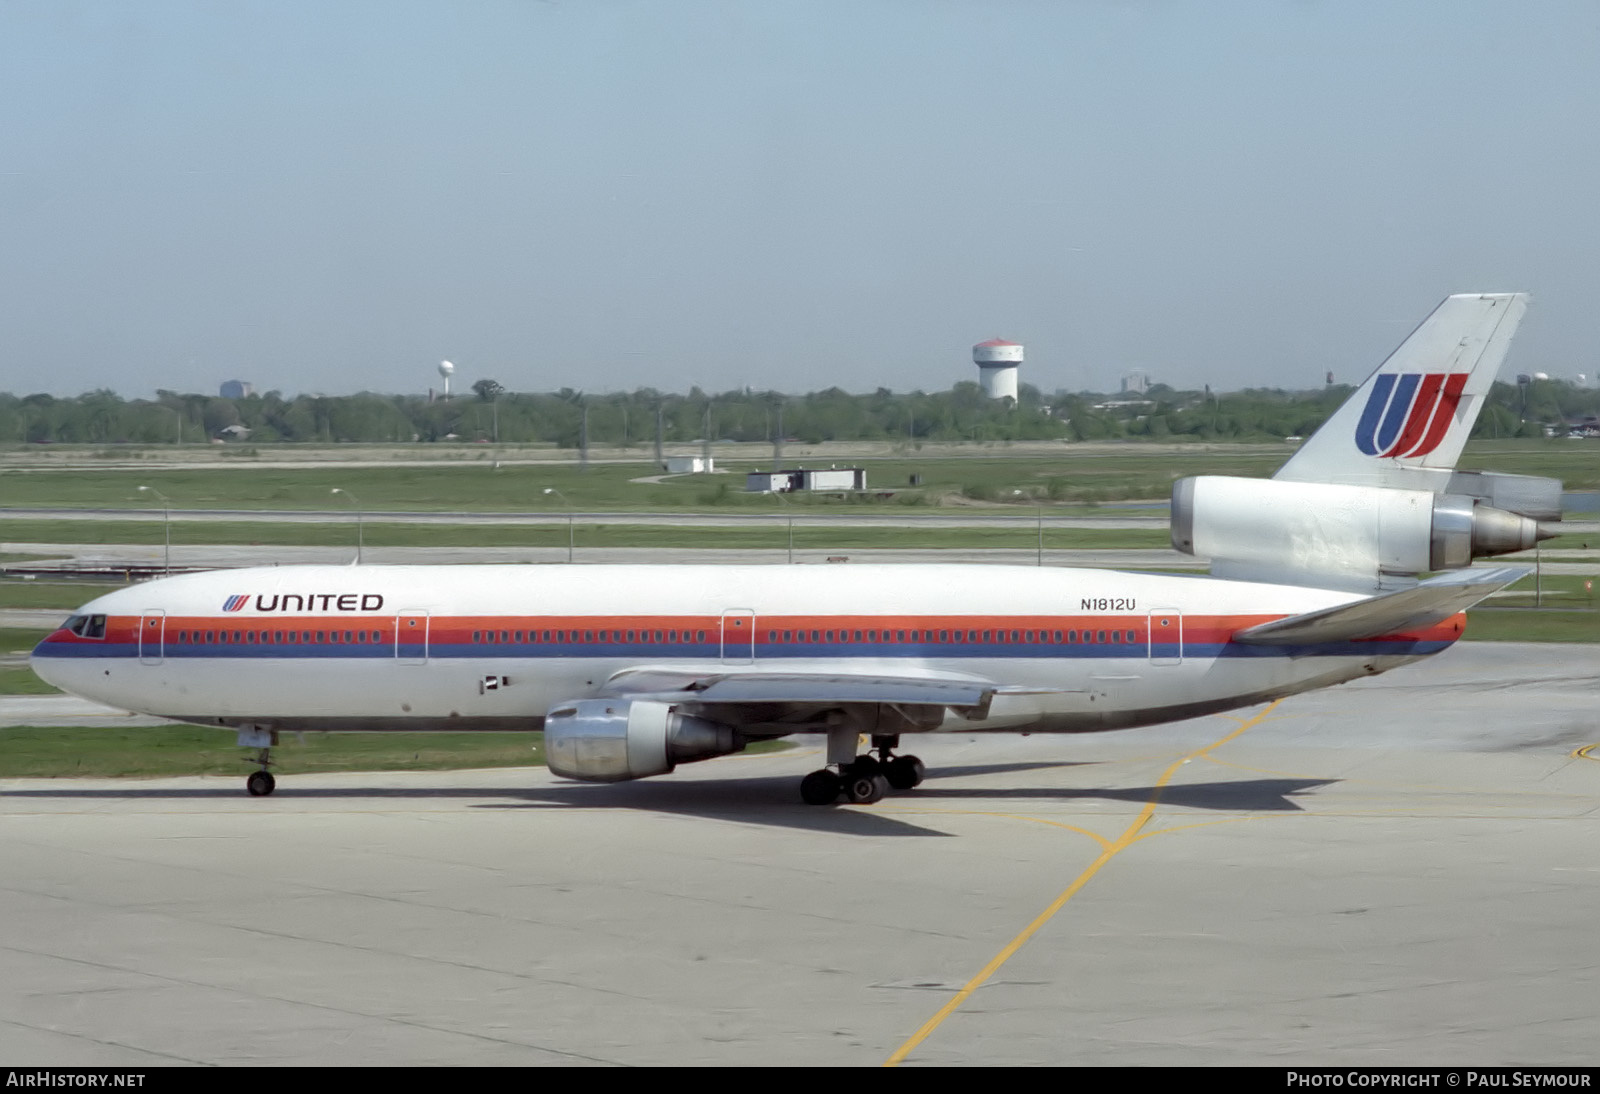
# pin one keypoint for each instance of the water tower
(446, 369)
(998, 362)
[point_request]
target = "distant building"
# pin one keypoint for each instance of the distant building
(688, 465)
(1135, 383)
(787, 482)
(237, 389)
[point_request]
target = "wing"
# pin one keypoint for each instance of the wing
(789, 699)
(1433, 601)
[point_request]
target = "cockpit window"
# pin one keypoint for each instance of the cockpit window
(86, 626)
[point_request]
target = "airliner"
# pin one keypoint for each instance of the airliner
(1319, 575)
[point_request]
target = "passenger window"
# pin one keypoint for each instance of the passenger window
(1102, 636)
(700, 636)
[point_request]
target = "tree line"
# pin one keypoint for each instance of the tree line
(567, 418)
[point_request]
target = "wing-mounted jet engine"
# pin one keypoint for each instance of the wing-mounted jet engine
(610, 740)
(1373, 499)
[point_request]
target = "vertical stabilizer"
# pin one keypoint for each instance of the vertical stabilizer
(1406, 426)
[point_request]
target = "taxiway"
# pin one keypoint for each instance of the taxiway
(1399, 871)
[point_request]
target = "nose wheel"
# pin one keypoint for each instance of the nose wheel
(259, 783)
(866, 779)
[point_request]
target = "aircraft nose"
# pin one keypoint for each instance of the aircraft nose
(45, 659)
(39, 657)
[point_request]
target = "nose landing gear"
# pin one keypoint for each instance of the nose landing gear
(260, 783)
(864, 779)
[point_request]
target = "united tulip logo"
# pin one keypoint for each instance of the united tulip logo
(234, 603)
(1408, 413)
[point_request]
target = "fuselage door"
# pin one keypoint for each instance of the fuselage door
(1166, 636)
(152, 636)
(739, 635)
(411, 638)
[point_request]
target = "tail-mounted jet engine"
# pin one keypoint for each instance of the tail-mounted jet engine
(1343, 536)
(610, 740)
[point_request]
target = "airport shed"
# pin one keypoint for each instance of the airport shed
(688, 465)
(818, 479)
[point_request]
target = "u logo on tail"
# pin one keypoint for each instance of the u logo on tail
(1407, 414)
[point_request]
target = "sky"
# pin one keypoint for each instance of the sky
(611, 194)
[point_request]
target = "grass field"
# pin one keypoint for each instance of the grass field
(480, 486)
(770, 535)
(1533, 625)
(83, 751)
(20, 680)
(56, 595)
(152, 751)
(1077, 475)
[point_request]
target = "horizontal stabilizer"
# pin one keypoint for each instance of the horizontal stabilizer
(1433, 601)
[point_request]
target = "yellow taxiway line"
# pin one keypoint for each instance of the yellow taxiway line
(1122, 842)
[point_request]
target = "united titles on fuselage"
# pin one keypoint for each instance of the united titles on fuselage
(312, 602)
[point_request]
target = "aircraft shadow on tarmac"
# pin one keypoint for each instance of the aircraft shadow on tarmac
(1237, 795)
(764, 800)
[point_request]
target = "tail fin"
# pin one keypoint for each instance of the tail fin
(1406, 426)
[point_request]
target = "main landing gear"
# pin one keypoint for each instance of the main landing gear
(260, 783)
(864, 779)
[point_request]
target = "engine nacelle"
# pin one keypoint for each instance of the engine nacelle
(610, 740)
(1344, 536)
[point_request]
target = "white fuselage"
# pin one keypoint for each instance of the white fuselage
(495, 647)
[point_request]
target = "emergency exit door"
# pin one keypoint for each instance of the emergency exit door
(739, 635)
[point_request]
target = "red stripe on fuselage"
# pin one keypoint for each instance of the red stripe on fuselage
(585, 630)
